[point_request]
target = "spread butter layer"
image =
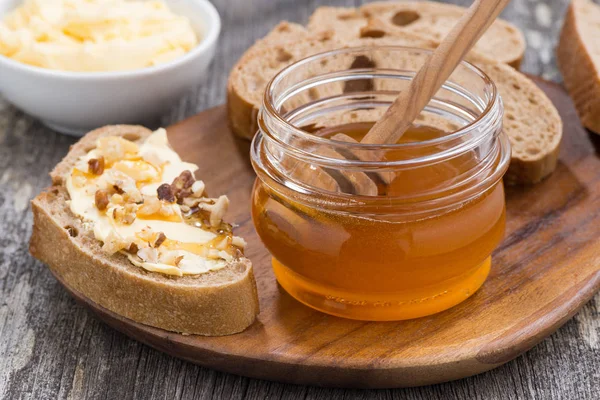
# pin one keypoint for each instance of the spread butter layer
(144, 201)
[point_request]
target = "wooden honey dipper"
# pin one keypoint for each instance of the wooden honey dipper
(410, 102)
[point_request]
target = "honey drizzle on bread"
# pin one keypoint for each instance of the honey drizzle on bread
(217, 303)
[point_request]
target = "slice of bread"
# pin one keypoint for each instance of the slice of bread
(578, 54)
(249, 77)
(503, 42)
(531, 120)
(215, 303)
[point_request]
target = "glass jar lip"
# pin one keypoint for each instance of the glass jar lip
(384, 202)
(268, 102)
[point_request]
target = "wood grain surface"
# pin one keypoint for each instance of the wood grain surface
(51, 348)
(522, 302)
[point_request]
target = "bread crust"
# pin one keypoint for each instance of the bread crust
(581, 75)
(217, 303)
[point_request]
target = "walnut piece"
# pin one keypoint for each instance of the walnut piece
(146, 234)
(150, 206)
(198, 189)
(148, 254)
(182, 186)
(165, 192)
(123, 185)
(113, 243)
(96, 165)
(160, 239)
(133, 248)
(217, 210)
(125, 214)
(101, 199)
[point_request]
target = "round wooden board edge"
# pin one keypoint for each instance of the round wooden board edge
(503, 349)
(178, 345)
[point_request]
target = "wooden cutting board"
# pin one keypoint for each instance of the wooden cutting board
(545, 270)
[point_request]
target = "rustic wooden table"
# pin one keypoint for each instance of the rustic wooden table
(52, 348)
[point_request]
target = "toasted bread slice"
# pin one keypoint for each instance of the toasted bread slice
(503, 42)
(531, 120)
(215, 303)
(578, 54)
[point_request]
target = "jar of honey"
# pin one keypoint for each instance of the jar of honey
(421, 240)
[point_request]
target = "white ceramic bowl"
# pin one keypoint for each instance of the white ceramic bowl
(75, 103)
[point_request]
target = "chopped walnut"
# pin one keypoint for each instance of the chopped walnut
(150, 206)
(133, 248)
(101, 199)
(146, 234)
(165, 193)
(114, 243)
(125, 214)
(170, 258)
(96, 165)
(124, 185)
(160, 239)
(117, 188)
(194, 201)
(182, 186)
(198, 188)
(217, 210)
(148, 254)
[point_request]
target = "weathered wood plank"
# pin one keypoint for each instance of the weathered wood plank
(52, 348)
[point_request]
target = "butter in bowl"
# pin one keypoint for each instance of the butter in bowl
(80, 64)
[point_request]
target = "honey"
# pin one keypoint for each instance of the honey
(373, 269)
(422, 241)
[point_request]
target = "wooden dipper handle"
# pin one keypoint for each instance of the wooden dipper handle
(434, 72)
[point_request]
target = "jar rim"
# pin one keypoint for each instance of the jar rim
(485, 117)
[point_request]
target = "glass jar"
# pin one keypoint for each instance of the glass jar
(422, 242)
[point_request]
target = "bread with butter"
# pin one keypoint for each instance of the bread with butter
(219, 302)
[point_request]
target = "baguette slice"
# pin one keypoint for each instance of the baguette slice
(578, 54)
(531, 120)
(216, 303)
(503, 42)
(250, 76)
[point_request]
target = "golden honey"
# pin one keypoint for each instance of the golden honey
(368, 268)
(421, 245)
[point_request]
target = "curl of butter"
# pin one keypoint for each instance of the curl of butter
(95, 35)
